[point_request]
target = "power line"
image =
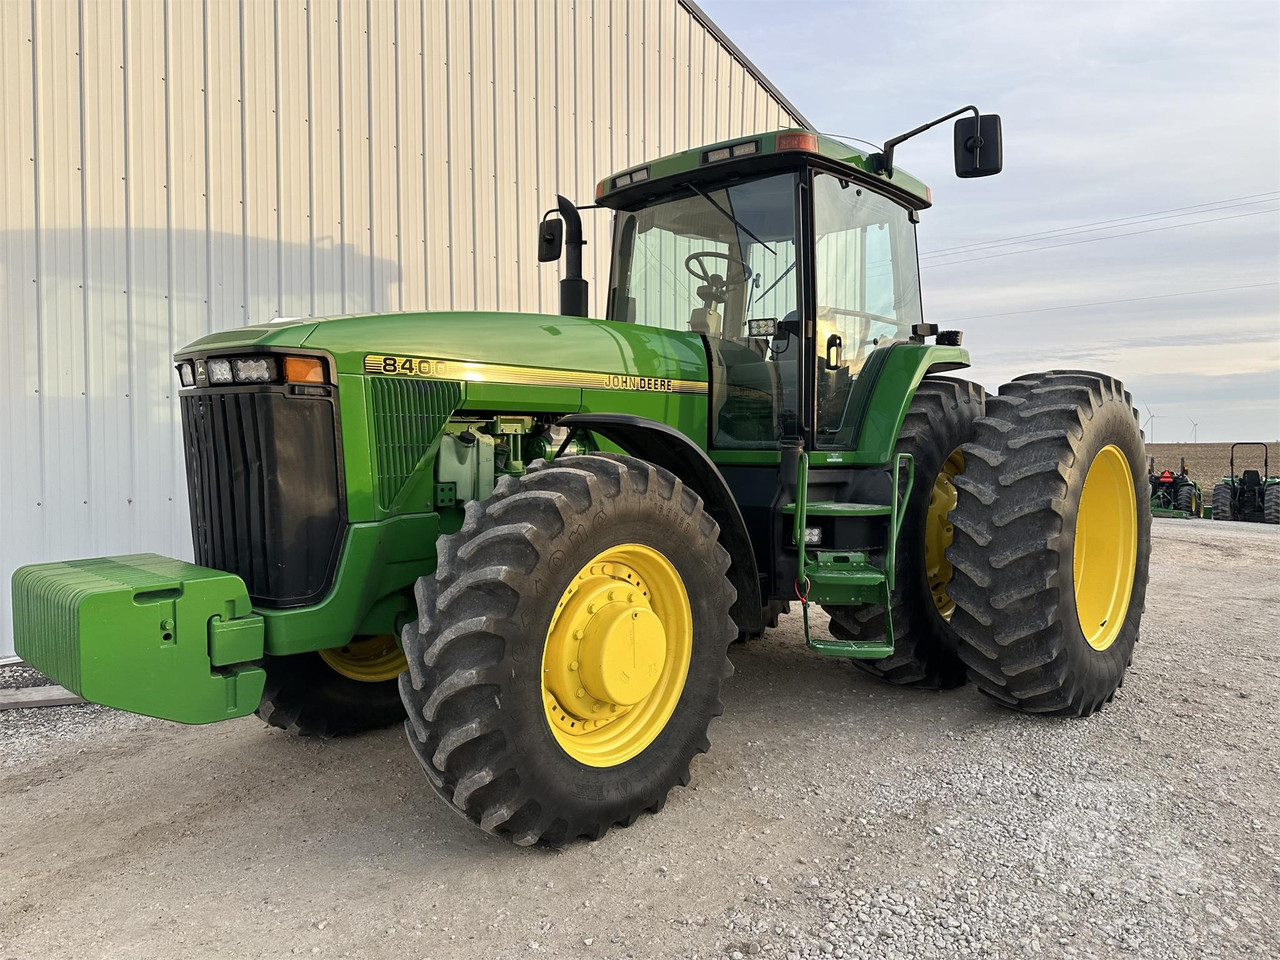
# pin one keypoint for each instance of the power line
(1099, 224)
(1114, 236)
(1103, 303)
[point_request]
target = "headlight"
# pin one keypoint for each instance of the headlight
(219, 371)
(253, 369)
(186, 374)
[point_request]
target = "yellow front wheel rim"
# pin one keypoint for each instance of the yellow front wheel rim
(1106, 547)
(617, 654)
(367, 659)
(938, 533)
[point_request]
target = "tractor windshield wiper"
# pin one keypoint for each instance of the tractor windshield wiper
(730, 217)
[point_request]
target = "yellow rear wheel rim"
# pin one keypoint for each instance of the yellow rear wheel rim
(1106, 547)
(938, 533)
(616, 655)
(367, 659)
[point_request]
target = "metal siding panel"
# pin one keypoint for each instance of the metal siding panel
(64, 439)
(227, 300)
(619, 105)
(293, 159)
(593, 51)
(410, 155)
(383, 191)
(105, 283)
(460, 159)
(438, 166)
(21, 473)
(653, 108)
(682, 91)
(483, 121)
(258, 112)
(325, 187)
(526, 160)
(188, 238)
(512, 224)
(548, 169)
(357, 212)
(151, 379)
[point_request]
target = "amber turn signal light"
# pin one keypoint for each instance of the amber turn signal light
(303, 370)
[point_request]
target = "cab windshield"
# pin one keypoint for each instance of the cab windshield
(709, 262)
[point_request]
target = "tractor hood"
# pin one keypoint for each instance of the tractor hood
(547, 343)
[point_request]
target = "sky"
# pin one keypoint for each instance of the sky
(1112, 111)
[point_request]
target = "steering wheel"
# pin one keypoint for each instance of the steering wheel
(715, 288)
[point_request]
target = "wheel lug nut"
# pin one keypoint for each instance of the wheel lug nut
(581, 692)
(574, 665)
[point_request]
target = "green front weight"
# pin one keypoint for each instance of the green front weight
(143, 633)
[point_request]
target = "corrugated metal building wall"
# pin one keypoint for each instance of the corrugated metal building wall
(172, 168)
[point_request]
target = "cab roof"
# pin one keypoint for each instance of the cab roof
(757, 154)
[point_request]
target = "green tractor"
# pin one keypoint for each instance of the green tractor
(1250, 496)
(534, 538)
(1174, 494)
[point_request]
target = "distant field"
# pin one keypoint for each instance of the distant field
(1208, 461)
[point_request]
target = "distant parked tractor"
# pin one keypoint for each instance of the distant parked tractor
(1174, 494)
(1250, 496)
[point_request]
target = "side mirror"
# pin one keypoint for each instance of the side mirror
(979, 152)
(550, 240)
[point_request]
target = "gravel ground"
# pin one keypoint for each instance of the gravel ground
(19, 676)
(834, 817)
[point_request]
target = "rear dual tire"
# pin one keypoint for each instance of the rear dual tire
(1052, 543)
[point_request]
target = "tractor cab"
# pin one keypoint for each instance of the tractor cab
(794, 260)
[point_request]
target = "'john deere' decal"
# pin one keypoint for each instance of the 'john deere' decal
(469, 371)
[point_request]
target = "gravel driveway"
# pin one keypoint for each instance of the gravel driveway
(834, 816)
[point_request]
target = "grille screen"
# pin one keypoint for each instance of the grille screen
(407, 416)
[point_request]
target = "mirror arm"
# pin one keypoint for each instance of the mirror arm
(884, 160)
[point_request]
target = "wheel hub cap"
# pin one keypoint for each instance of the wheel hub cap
(616, 655)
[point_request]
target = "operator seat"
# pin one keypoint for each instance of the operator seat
(1250, 479)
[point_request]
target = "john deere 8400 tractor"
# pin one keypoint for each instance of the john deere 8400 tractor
(536, 537)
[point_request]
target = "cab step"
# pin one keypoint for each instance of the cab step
(849, 578)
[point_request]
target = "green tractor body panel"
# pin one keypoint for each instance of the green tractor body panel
(143, 633)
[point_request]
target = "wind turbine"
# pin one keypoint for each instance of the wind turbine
(1150, 425)
(1194, 425)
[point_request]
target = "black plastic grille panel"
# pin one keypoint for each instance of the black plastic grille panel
(266, 499)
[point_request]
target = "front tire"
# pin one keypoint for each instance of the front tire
(334, 693)
(938, 422)
(525, 716)
(1053, 540)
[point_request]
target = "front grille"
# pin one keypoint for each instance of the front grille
(266, 500)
